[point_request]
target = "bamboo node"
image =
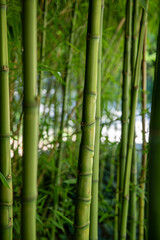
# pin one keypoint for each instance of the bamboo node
(128, 37)
(95, 180)
(3, 5)
(124, 122)
(7, 205)
(123, 236)
(4, 68)
(98, 118)
(84, 199)
(90, 93)
(34, 105)
(10, 225)
(83, 124)
(87, 148)
(102, 3)
(38, 100)
(82, 226)
(92, 36)
(9, 177)
(134, 36)
(125, 72)
(85, 174)
(5, 136)
(130, 146)
(125, 99)
(29, 199)
(126, 197)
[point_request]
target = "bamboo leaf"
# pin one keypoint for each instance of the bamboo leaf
(44, 67)
(39, 220)
(72, 46)
(61, 215)
(4, 181)
(71, 181)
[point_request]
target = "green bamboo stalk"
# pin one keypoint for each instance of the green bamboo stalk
(116, 219)
(6, 196)
(112, 164)
(55, 99)
(123, 228)
(101, 172)
(154, 153)
(43, 46)
(93, 235)
(30, 128)
(125, 92)
(133, 202)
(134, 37)
(144, 147)
(84, 180)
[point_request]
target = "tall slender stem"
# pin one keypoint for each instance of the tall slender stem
(43, 45)
(84, 181)
(30, 128)
(123, 229)
(116, 219)
(133, 200)
(125, 92)
(6, 198)
(144, 147)
(95, 179)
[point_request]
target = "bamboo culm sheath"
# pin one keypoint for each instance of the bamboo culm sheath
(84, 180)
(30, 124)
(95, 178)
(6, 196)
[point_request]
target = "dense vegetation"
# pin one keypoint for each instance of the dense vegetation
(76, 80)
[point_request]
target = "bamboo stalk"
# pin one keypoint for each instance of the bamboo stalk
(144, 147)
(30, 127)
(43, 45)
(154, 153)
(116, 219)
(6, 196)
(136, 80)
(95, 179)
(125, 93)
(84, 181)
(133, 202)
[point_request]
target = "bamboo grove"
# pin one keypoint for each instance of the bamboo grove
(79, 119)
